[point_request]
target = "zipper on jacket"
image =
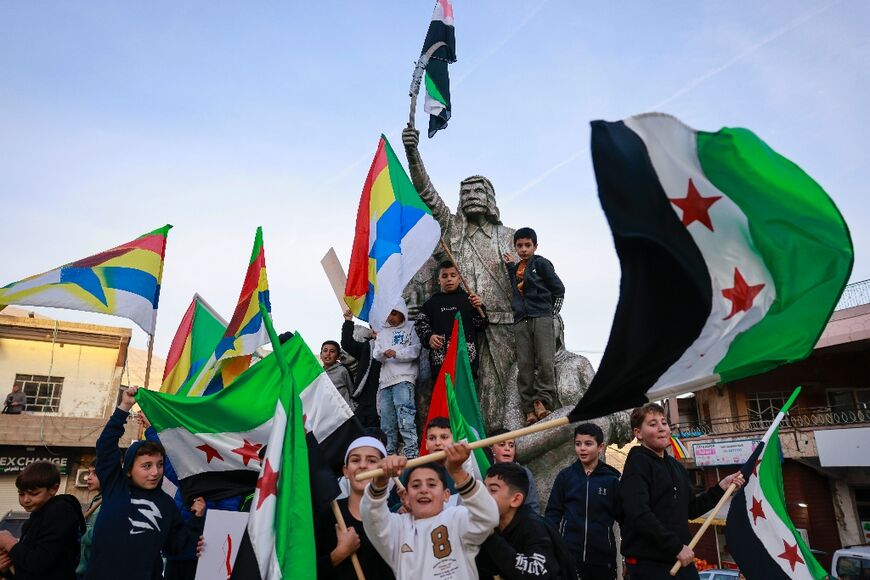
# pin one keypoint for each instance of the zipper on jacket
(586, 519)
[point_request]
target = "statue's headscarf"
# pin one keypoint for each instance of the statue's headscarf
(492, 212)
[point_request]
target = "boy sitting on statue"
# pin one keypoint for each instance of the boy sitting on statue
(537, 298)
(431, 540)
(435, 320)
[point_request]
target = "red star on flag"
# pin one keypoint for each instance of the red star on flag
(267, 484)
(741, 295)
(757, 511)
(210, 452)
(695, 208)
(791, 555)
(249, 451)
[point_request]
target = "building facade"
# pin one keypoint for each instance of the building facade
(71, 374)
(825, 439)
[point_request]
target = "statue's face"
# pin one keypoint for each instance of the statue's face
(473, 198)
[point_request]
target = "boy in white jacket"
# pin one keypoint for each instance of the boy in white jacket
(397, 348)
(431, 541)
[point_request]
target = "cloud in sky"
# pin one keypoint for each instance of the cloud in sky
(117, 119)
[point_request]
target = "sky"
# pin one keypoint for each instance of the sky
(218, 117)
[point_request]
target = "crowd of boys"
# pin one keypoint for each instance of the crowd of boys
(434, 520)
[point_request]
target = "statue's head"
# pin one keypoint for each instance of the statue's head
(477, 197)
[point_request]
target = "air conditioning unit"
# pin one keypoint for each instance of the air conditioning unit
(82, 478)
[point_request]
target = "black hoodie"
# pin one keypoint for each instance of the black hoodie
(657, 502)
(49, 546)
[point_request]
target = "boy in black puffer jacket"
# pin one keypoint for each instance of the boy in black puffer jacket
(49, 545)
(368, 373)
(584, 504)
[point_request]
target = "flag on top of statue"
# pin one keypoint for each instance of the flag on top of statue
(395, 235)
(732, 259)
(245, 332)
(760, 534)
(124, 281)
(197, 336)
(437, 81)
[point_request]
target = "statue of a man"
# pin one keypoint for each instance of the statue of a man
(478, 240)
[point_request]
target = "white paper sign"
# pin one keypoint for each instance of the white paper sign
(223, 534)
(723, 453)
(336, 276)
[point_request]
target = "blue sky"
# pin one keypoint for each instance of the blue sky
(217, 117)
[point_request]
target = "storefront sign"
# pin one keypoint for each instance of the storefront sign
(15, 459)
(723, 452)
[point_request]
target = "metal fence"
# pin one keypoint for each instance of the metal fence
(856, 294)
(806, 418)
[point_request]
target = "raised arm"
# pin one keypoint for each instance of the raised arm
(108, 465)
(420, 178)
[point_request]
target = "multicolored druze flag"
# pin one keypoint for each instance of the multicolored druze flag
(124, 281)
(759, 532)
(732, 257)
(437, 81)
(245, 332)
(677, 449)
(395, 235)
(456, 382)
(197, 336)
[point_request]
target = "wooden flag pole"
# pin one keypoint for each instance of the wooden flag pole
(439, 455)
(339, 519)
(461, 279)
(417, 78)
(676, 567)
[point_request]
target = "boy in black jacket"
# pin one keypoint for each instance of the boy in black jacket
(658, 502)
(49, 545)
(522, 545)
(137, 518)
(584, 504)
(368, 372)
(434, 322)
(537, 298)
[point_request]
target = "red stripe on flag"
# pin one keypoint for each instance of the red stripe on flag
(180, 339)
(438, 405)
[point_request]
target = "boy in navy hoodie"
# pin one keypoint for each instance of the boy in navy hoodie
(137, 518)
(49, 545)
(583, 506)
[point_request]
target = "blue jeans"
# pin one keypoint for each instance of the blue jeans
(398, 412)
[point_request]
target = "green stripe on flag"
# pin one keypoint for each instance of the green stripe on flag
(462, 431)
(433, 92)
(405, 192)
(801, 237)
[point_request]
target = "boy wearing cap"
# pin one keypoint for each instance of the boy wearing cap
(334, 547)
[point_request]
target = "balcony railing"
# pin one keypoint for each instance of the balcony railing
(806, 418)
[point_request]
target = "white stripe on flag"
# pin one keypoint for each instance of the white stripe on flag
(188, 460)
(261, 523)
(323, 408)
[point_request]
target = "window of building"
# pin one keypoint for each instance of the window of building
(849, 399)
(42, 392)
(763, 407)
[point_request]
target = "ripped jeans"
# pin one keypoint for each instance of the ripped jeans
(398, 412)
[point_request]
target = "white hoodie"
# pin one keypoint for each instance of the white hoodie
(404, 340)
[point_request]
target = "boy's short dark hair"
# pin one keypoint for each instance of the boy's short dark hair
(434, 466)
(639, 414)
(38, 475)
(590, 429)
(526, 234)
(445, 264)
(333, 343)
(439, 423)
(145, 448)
(513, 475)
(285, 336)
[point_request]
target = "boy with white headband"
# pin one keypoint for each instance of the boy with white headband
(334, 547)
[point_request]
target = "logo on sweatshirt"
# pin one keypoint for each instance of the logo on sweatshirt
(150, 514)
(602, 491)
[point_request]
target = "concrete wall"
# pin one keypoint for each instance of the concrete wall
(89, 373)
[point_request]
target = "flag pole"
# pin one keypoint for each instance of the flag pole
(439, 455)
(339, 519)
(676, 567)
(461, 279)
(417, 78)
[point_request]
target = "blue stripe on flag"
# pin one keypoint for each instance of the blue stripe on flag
(86, 279)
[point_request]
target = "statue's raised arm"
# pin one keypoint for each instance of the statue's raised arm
(420, 178)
